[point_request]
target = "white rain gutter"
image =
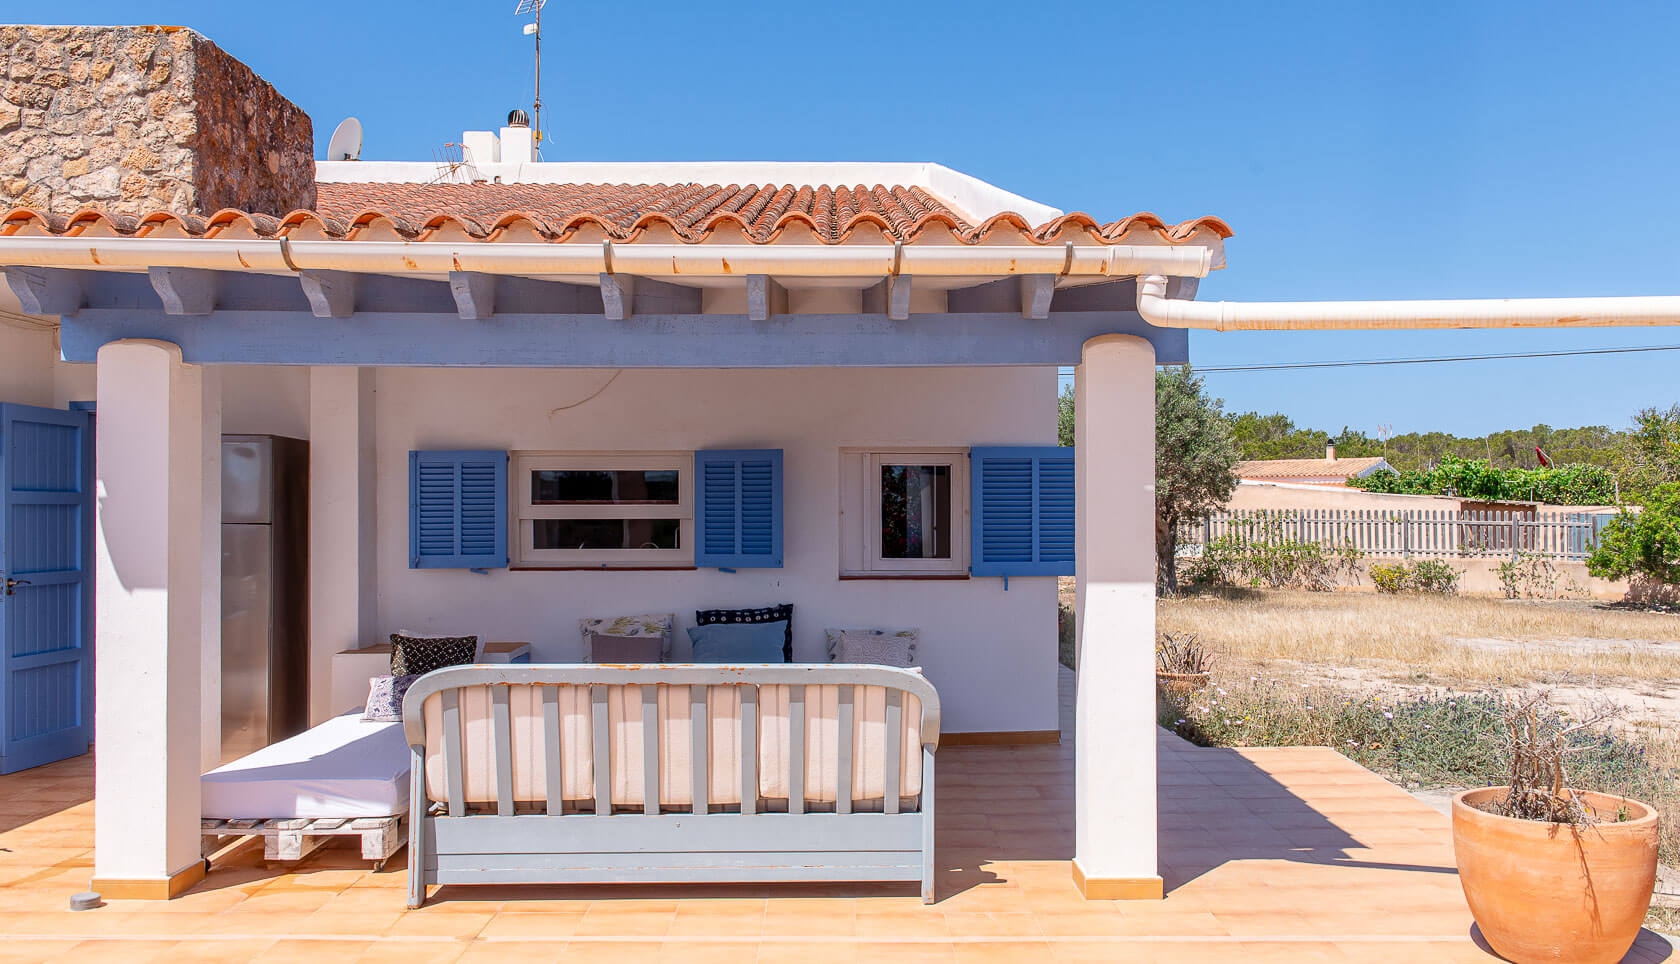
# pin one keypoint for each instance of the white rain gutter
(647, 260)
(1157, 309)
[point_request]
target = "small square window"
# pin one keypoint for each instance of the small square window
(904, 512)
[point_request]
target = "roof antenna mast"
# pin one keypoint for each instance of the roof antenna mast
(534, 31)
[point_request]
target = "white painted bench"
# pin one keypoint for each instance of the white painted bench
(553, 774)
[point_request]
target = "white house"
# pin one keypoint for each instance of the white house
(865, 355)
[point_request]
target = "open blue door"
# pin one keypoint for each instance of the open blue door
(46, 638)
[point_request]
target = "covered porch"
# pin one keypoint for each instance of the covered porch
(1272, 854)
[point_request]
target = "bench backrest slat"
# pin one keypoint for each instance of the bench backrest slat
(452, 756)
(650, 749)
(700, 733)
(843, 793)
(749, 738)
(895, 745)
(796, 749)
(603, 754)
(554, 762)
(501, 735)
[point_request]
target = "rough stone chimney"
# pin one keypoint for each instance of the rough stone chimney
(138, 119)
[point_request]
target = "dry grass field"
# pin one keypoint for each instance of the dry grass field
(1464, 642)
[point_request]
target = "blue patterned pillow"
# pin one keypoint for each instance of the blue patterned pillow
(385, 698)
(738, 642)
(770, 614)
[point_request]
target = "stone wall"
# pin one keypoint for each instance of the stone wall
(138, 119)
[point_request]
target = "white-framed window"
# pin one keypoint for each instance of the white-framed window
(904, 512)
(603, 509)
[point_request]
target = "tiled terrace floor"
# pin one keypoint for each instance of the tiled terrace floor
(1270, 855)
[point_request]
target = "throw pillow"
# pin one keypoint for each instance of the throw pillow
(623, 649)
(910, 636)
(877, 648)
(656, 626)
(385, 698)
(417, 655)
(769, 614)
(738, 642)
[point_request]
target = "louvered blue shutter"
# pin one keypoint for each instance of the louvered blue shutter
(1022, 511)
(457, 510)
(738, 509)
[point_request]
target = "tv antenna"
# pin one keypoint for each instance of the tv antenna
(1383, 432)
(534, 30)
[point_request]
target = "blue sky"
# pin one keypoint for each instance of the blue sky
(1360, 150)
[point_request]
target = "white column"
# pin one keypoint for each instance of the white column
(210, 652)
(1114, 716)
(149, 597)
(341, 527)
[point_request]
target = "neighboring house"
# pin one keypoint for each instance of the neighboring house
(824, 384)
(1329, 470)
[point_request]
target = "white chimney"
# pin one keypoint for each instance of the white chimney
(516, 145)
(1330, 449)
(482, 147)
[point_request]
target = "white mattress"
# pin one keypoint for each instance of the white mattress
(346, 767)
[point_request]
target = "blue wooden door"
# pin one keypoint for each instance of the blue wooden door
(46, 638)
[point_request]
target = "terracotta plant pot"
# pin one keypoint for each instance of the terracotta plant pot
(1556, 892)
(1181, 685)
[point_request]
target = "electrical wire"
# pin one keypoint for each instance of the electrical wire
(1433, 360)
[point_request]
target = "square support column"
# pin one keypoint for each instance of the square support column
(210, 652)
(341, 525)
(1114, 715)
(150, 611)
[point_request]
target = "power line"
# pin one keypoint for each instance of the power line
(1439, 359)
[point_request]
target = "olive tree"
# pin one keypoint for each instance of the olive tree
(1195, 453)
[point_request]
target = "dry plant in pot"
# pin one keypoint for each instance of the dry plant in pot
(1553, 873)
(1182, 664)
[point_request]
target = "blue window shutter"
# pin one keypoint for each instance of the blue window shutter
(1021, 506)
(738, 509)
(457, 510)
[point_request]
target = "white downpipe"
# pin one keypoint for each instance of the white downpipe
(647, 260)
(1157, 309)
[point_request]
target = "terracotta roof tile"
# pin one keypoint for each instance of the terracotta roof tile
(623, 212)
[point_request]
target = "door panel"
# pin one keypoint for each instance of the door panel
(45, 632)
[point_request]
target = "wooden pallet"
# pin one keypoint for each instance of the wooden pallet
(297, 838)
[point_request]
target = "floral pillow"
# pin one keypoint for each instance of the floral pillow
(385, 698)
(910, 636)
(653, 629)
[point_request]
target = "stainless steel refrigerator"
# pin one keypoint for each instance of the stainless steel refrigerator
(265, 591)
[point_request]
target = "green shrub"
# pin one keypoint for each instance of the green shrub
(1646, 543)
(1578, 484)
(1256, 553)
(1422, 576)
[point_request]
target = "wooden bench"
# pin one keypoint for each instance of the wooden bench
(553, 774)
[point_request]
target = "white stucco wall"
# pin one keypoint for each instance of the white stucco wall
(26, 364)
(991, 652)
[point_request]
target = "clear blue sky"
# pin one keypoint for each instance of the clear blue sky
(1400, 150)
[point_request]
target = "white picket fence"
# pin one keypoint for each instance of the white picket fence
(1438, 533)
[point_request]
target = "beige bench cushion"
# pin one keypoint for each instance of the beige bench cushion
(625, 729)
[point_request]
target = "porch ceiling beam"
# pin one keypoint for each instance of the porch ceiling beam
(765, 298)
(185, 291)
(331, 294)
(891, 297)
(46, 291)
(1036, 292)
(587, 339)
(618, 295)
(475, 294)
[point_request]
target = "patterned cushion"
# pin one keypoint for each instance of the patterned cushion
(385, 698)
(417, 655)
(877, 648)
(911, 636)
(770, 614)
(737, 642)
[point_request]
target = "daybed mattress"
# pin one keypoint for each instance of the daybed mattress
(346, 767)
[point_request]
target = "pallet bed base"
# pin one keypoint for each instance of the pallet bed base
(289, 839)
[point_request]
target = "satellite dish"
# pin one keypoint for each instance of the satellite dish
(346, 142)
